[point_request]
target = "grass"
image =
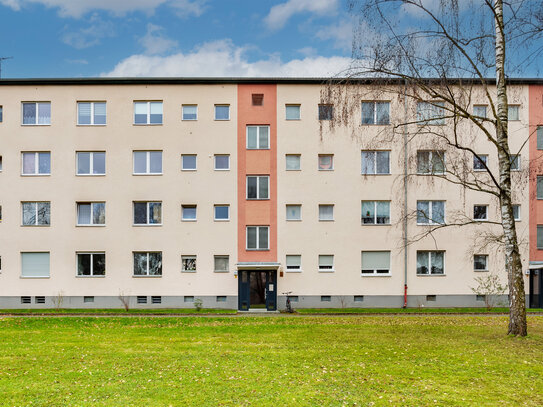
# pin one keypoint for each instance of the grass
(121, 311)
(408, 310)
(326, 361)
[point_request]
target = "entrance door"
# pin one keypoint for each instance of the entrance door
(536, 286)
(257, 289)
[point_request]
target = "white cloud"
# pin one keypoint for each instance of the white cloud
(222, 59)
(87, 37)
(279, 14)
(341, 33)
(155, 42)
(77, 8)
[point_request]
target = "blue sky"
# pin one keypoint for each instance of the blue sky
(82, 38)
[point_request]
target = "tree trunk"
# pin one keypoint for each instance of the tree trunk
(517, 301)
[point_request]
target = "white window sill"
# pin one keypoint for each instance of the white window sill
(36, 175)
(90, 175)
(258, 199)
(147, 124)
(256, 149)
(290, 169)
(432, 275)
(376, 275)
(35, 124)
(375, 224)
(188, 169)
(34, 277)
(222, 120)
(221, 220)
(189, 120)
(221, 271)
(320, 169)
(188, 271)
(148, 174)
(258, 250)
(326, 220)
(431, 224)
(146, 224)
(293, 270)
(327, 271)
(375, 174)
(86, 225)
(78, 276)
(481, 271)
(144, 276)
(91, 125)
(375, 124)
(222, 169)
(294, 220)
(35, 226)
(188, 220)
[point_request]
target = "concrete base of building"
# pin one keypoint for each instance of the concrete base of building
(231, 301)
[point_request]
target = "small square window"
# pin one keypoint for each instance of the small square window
(292, 112)
(257, 99)
(480, 262)
(222, 112)
(294, 212)
(513, 112)
(326, 212)
(222, 264)
(480, 162)
(326, 162)
(190, 112)
(222, 162)
(515, 162)
(188, 264)
(188, 162)
(479, 111)
(326, 112)
(188, 212)
(294, 262)
(292, 162)
(222, 212)
(480, 212)
(326, 262)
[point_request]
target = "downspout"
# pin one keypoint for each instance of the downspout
(405, 195)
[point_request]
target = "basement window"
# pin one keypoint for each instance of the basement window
(358, 298)
(156, 299)
(39, 300)
(26, 300)
(326, 298)
(431, 298)
(88, 298)
(141, 299)
(188, 298)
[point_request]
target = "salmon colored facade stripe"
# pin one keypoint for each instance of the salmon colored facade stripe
(257, 162)
(536, 167)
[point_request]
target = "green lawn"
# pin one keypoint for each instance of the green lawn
(303, 361)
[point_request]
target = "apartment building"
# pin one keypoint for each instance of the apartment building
(161, 192)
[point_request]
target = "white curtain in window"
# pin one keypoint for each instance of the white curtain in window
(35, 264)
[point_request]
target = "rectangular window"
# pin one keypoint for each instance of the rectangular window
(222, 162)
(147, 263)
(36, 163)
(35, 264)
(432, 113)
(91, 162)
(516, 212)
(88, 298)
(480, 262)
(222, 112)
(480, 162)
(1, 114)
(326, 212)
(190, 112)
(430, 162)
(147, 162)
(156, 299)
(430, 262)
(479, 111)
(430, 212)
(515, 162)
(220, 298)
(326, 162)
(258, 237)
(40, 299)
(375, 112)
(258, 187)
(0, 163)
(188, 264)
(326, 112)
(539, 187)
(375, 212)
(375, 162)
(141, 299)
(292, 162)
(294, 212)
(36, 113)
(222, 264)
(222, 212)
(292, 112)
(36, 213)
(258, 137)
(147, 213)
(480, 212)
(91, 113)
(188, 212)
(91, 264)
(147, 112)
(294, 262)
(326, 262)
(513, 112)
(540, 237)
(91, 213)
(188, 162)
(540, 137)
(375, 263)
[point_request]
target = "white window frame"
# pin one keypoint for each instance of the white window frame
(221, 256)
(258, 147)
(299, 106)
(486, 111)
(91, 213)
(319, 162)
(326, 220)
(189, 257)
(147, 162)
(147, 263)
(91, 113)
(48, 268)
(91, 164)
(437, 110)
(258, 198)
(486, 263)
(324, 116)
(486, 212)
(92, 275)
(518, 159)
(215, 162)
(374, 153)
(374, 103)
(148, 103)
(431, 170)
(286, 214)
(485, 161)
(431, 254)
(147, 217)
(299, 162)
(374, 214)
(431, 214)
(215, 213)
(36, 213)
(37, 114)
(257, 238)
(183, 162)
(37, 172)
(215, 112)
(183, 112)
(183, 206)
(517, 107)
(374, 272)
(327, 270)
(519, 217)
(293, 270)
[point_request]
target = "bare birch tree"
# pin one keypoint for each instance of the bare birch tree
(399, 44)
